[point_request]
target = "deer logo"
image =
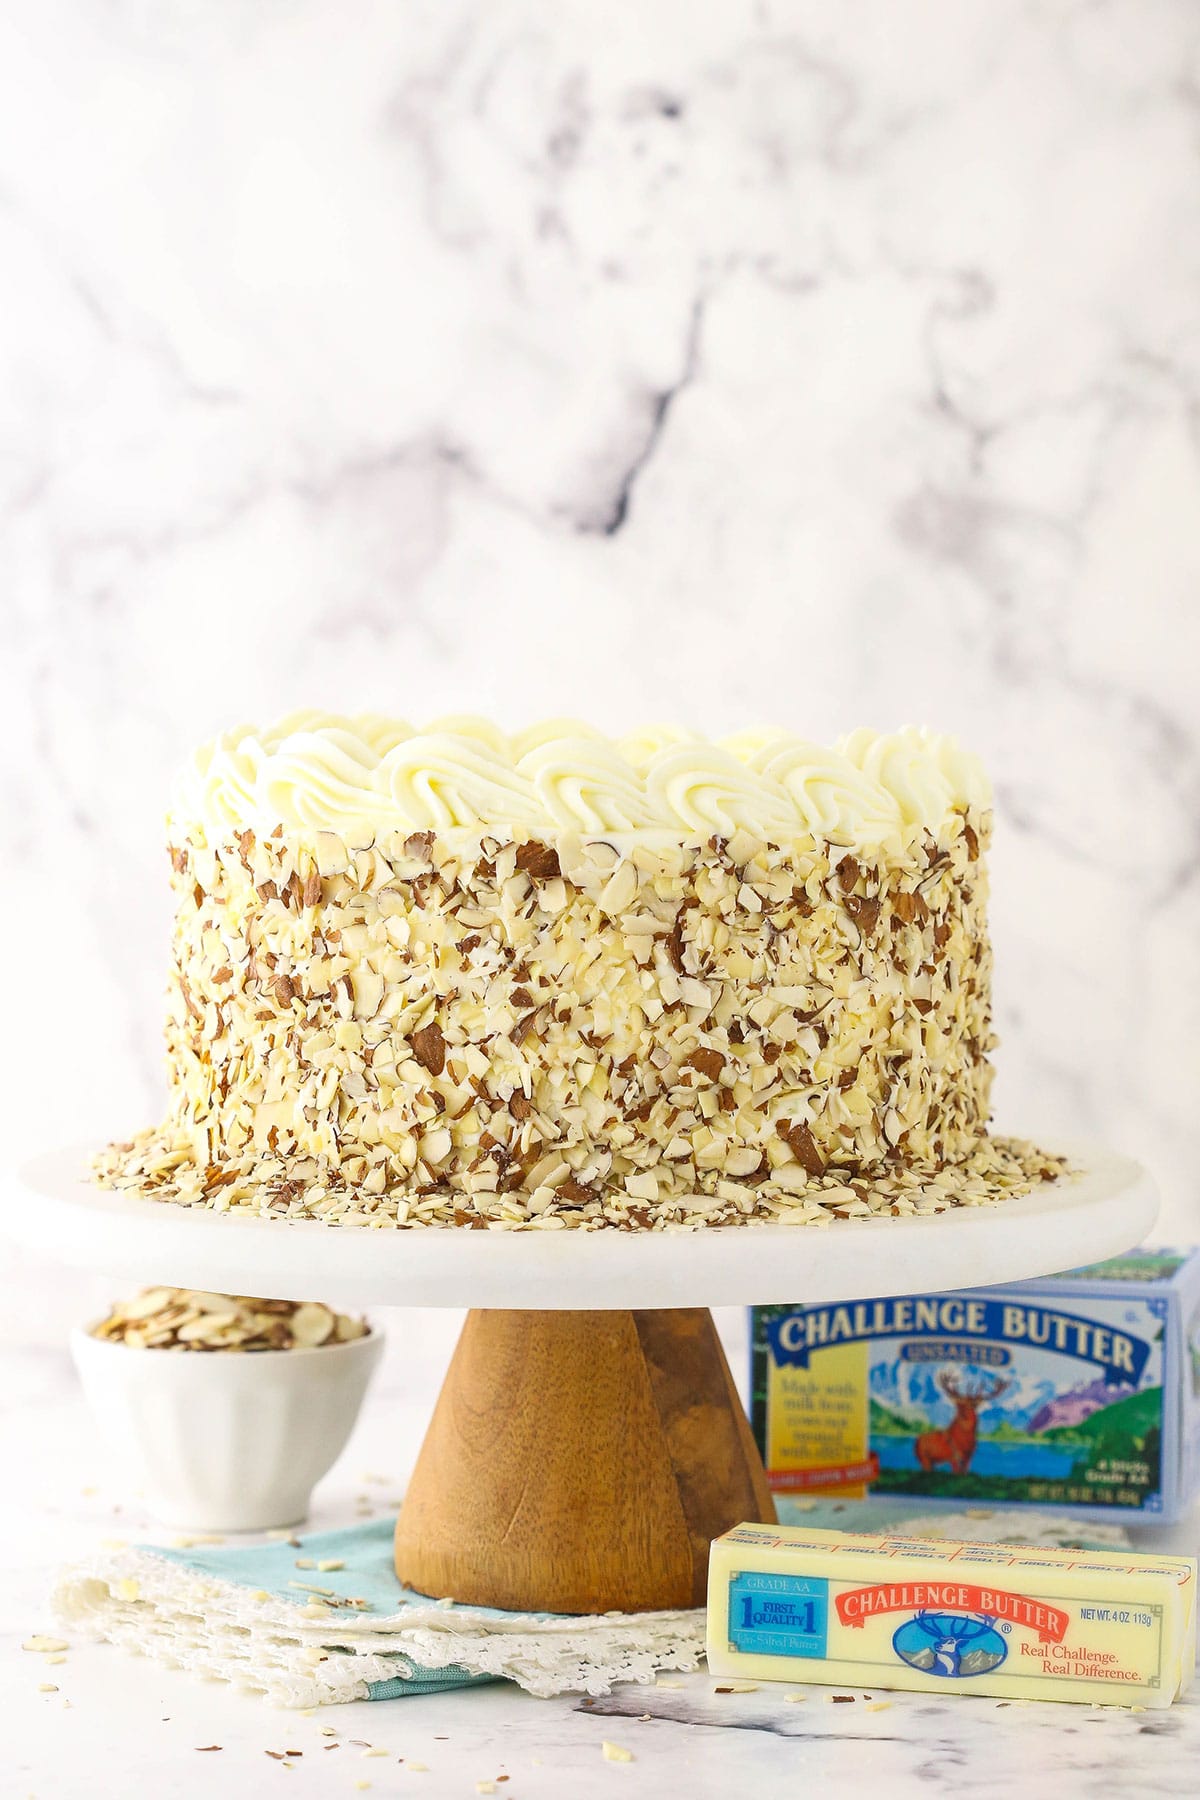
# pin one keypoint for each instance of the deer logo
(956, 1444)
(950, 1644)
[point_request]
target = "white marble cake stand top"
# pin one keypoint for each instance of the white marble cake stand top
(52, 1207)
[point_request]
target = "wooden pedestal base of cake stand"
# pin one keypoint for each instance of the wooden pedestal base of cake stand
(580, 1462)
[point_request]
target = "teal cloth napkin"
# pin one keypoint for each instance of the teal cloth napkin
(368, 1574)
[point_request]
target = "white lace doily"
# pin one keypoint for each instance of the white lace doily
(226, 1631)
(222, 1631)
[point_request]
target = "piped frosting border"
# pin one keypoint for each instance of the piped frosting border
(369, 774)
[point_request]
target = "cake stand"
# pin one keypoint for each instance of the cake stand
(588, 1441)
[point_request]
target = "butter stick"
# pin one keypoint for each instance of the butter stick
(789, 1604)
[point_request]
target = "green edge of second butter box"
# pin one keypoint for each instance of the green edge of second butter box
(1078, 1391)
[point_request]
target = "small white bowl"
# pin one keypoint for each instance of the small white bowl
(226, 1441)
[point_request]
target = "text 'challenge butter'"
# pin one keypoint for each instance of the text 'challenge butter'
(788, 1604)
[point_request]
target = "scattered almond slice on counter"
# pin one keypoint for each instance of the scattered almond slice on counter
(615, 1752)
(41, 1643)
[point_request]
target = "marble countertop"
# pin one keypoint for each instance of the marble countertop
(120, 1726)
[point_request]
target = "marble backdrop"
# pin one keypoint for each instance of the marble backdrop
(719, 361)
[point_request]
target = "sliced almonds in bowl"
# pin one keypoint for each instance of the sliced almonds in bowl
(165, 1318)
(226, 1442)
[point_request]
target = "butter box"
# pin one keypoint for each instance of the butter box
(1078, 1391)
(934, 1616)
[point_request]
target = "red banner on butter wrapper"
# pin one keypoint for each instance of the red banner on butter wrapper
(857, 1605)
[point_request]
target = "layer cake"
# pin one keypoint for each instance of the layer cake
(553, 981)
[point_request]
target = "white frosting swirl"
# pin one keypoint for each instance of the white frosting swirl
(707, 789)
(551, 731)
(640, 747)
(585, 784)
(751, 743)
(835, 800)
(317, 771)
(317, 775)
(927, 774)
(487, 736)
(220, 787)
(441, 780)
(963, 770)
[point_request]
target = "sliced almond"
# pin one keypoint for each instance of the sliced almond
(206, 1302)
(201, 1330)
(311, 1325)
(152, 1300)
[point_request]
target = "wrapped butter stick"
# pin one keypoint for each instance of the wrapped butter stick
(1108, 1628)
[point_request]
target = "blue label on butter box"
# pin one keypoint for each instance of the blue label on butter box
(778, 1615)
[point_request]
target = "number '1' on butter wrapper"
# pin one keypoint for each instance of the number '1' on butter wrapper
(789, 1604)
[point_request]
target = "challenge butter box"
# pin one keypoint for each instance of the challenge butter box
(1079, 1391)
